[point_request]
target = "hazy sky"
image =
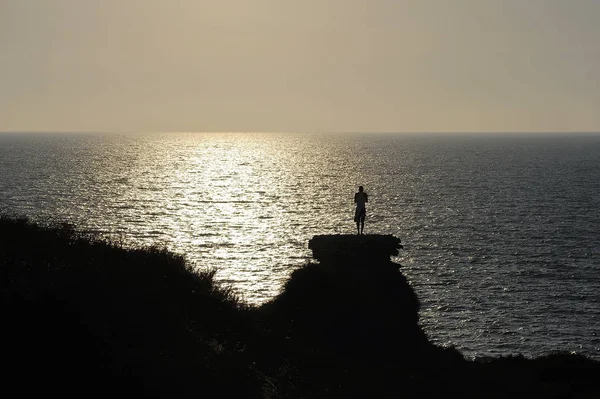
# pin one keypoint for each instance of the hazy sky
(302, 65)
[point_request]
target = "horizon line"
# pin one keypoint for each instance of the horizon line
(553, 132)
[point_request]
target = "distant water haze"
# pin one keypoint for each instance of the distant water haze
(500, 232)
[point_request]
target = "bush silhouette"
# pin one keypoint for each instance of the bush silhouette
(81, 313)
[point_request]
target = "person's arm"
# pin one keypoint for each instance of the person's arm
(355, 198)
(366, 198)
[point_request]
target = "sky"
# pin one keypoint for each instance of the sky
(301, 65)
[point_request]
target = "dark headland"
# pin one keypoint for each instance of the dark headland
(82, 317)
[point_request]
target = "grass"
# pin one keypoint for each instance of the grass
(82, 316)
(80, 312)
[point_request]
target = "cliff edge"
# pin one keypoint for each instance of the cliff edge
(82, 316)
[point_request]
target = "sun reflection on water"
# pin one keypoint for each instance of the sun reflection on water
(244, 204)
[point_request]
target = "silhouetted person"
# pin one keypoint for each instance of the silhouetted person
(360, 198)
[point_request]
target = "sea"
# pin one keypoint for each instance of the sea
(501, 232)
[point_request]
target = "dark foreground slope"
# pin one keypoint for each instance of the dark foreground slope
(82, 317)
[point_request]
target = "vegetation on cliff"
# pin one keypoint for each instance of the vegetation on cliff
(85, 317)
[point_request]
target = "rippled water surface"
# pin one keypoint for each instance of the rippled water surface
(501, 234)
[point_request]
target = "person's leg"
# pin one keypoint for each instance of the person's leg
(362, 222)
(358, 227)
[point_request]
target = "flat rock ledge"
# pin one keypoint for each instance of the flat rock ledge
(348, 248)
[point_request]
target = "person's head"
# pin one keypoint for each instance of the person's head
(360, 189)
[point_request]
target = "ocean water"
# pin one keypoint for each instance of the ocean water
(501, 234)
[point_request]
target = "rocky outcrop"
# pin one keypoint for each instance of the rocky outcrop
(355, 301)
(373, 248)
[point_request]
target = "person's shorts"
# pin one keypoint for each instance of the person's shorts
(360, 214)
